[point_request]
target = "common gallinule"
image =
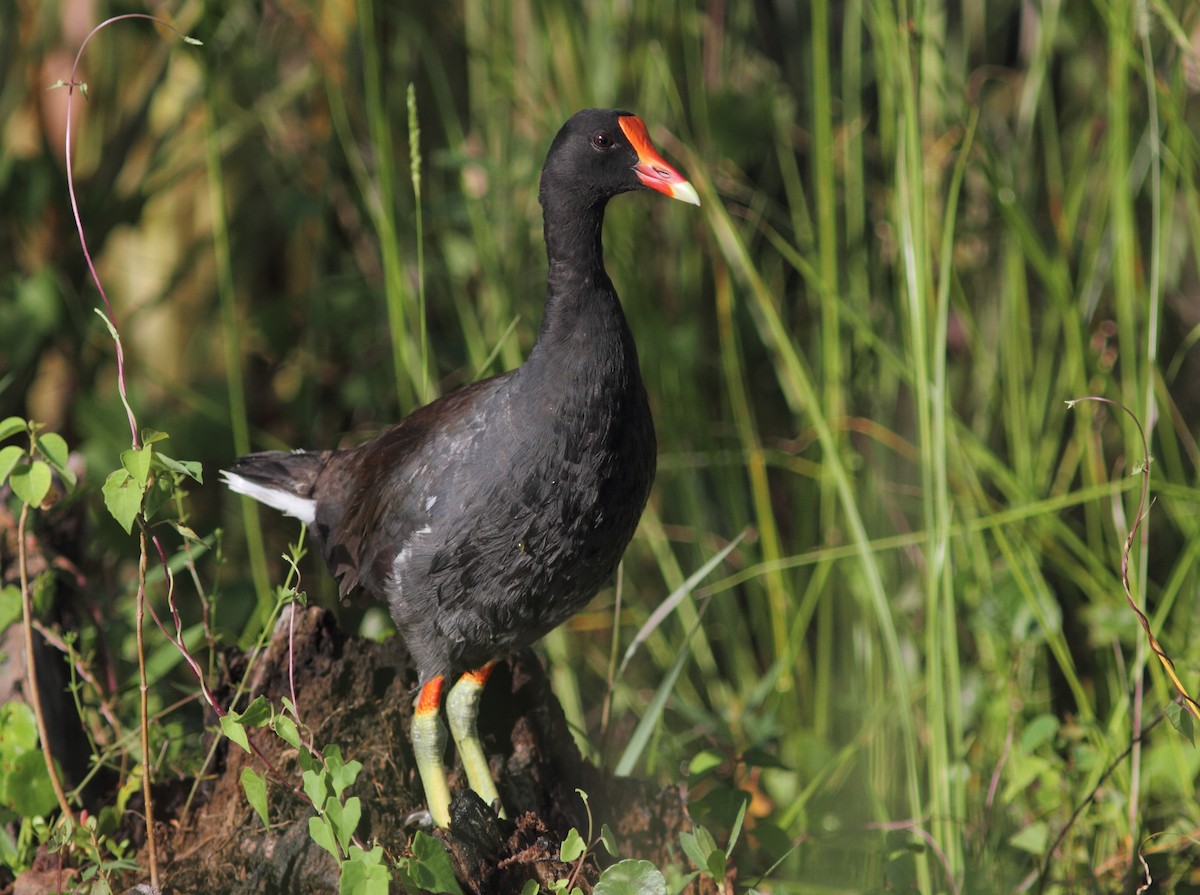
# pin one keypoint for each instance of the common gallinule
(491, 515)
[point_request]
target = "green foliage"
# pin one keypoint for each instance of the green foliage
(572, 848)
(325, 778)
(24, 786)
(234, 723)
(364, 873)
(147, 480)
(1180, 719)
(625, 877)
(922, 234)
(702, 851)
(10, 606)
(631, 878)
(429, 867)
(254, 785)
(30, 471)
(104, 858)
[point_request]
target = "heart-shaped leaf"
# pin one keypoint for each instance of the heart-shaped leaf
(123, 497)
(31, 483)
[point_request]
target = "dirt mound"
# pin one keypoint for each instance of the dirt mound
(358, 694)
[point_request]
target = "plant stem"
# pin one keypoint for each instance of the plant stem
(151, 844)
(35, 698)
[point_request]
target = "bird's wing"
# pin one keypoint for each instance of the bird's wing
(376, 499)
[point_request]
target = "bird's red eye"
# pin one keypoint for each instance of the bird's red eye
(601, 140)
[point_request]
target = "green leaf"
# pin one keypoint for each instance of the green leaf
(341, 773)
(18, 726)
(333, 757)
(54, 448)
(10, 611)
(64, 832)
(572, 848)
(364, 873)
(430, 866)
(31, 483)
(702, 763)
(315, 789)
(309, 762)
(1037, 732)
(631, 878)
(153, 436)
(287, 731)
(123, 497)
(702, 850)
(30, 792)
(11, 425)
(1180, 718)
(322, 835)
(157, 496)
(351, 815)
(736, 830)
(1033, 839)
(608, 839)
(258, 713)
(344, 818)
(10, 456)
(692, 849)
(531, 887)
(193, 469)
(231, 726)
(716, 865)
(10, 855)
(705, 839)
(137, 463)
(254, 785)
(345, 776)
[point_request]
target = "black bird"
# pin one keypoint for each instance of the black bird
(493, 514)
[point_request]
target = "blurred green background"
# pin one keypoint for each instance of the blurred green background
(925, 227)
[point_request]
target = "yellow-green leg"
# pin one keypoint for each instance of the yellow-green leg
(462, 708)
(429, 743)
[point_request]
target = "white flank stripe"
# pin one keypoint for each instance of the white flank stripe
(302, 508)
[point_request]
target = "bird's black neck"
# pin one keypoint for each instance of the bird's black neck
(582, 310)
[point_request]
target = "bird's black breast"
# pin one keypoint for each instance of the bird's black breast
(494, 526)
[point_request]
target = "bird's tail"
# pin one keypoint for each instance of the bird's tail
(279, 479)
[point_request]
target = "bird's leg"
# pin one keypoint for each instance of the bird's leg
(429, 743)
(462, 708)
